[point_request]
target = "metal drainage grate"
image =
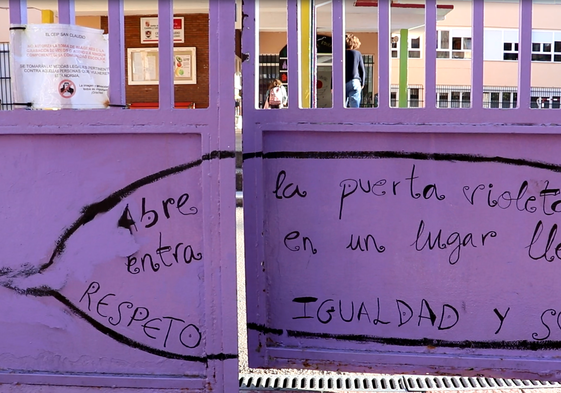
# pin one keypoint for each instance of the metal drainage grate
(361, 383)
(358, 383)
(424, 383)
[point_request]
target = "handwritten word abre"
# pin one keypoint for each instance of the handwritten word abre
(362, 244)
(151, 217)
(181, 253)
(382, 187)
(455, 240)
(288, 191)
(332, 311)
(293, 240)
(163, 329)
(544, 246)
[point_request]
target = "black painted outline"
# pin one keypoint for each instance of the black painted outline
(424, 342)
(451, 157)
(88, 214)
(132, 343)
(405, 342)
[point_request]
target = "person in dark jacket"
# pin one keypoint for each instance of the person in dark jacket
(354, 71)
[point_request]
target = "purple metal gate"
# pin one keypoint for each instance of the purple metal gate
(401, 240)
(118, 267)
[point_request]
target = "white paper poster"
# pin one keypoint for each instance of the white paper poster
(58, 66)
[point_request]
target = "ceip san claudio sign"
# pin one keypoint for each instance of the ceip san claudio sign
(58, 66)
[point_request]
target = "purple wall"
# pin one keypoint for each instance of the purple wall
(118, 235)
(411, 253)
(402, 240)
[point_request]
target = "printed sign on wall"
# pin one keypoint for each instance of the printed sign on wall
(427, 253)
(149, 30)
(58, 66)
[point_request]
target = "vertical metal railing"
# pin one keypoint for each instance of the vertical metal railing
(5, 78)
(431, 63)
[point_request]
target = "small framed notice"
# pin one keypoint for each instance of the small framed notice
(149, 30)
(143, 66)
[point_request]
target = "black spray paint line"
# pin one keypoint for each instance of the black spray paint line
(132, 343)
(88, 214)
(405, 342)
(450, 157)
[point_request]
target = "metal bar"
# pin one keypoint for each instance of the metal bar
(384, 54)
(338, 71)
(18, 12)
(293, 55)
(66, 12)
(430, 54)
(222, 138)
(478, 32)
(116, 22)
(525, 55)
(165, 53)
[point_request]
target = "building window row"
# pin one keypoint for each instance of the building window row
(499, 45)
(493, 97)
(541, 51)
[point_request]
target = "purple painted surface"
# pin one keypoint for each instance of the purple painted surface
(90, 299)
(437, 250)
(477, 298)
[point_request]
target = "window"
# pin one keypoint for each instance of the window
(413, 98)
(453, 96)
(455, 102)
(500, 98)
(393, 99)
(414, 47)
(395, 49)
(510, 51)
(455, 45)
(541, 51)
(443, 100)
(466, 99)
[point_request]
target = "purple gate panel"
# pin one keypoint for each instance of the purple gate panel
(420, 253)
(118, 261)
(118, 234)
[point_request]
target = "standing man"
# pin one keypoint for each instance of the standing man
(354, 71)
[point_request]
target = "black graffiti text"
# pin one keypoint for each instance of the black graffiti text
(164, 330)
(335, 310)
(383, 187)
(520, 200)
(501, 199)
(550, 318)
(294, 239)
(363, 244)
(165, 255)
(544, 249)
(454, 241)
(150, 217)
(288, 191)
